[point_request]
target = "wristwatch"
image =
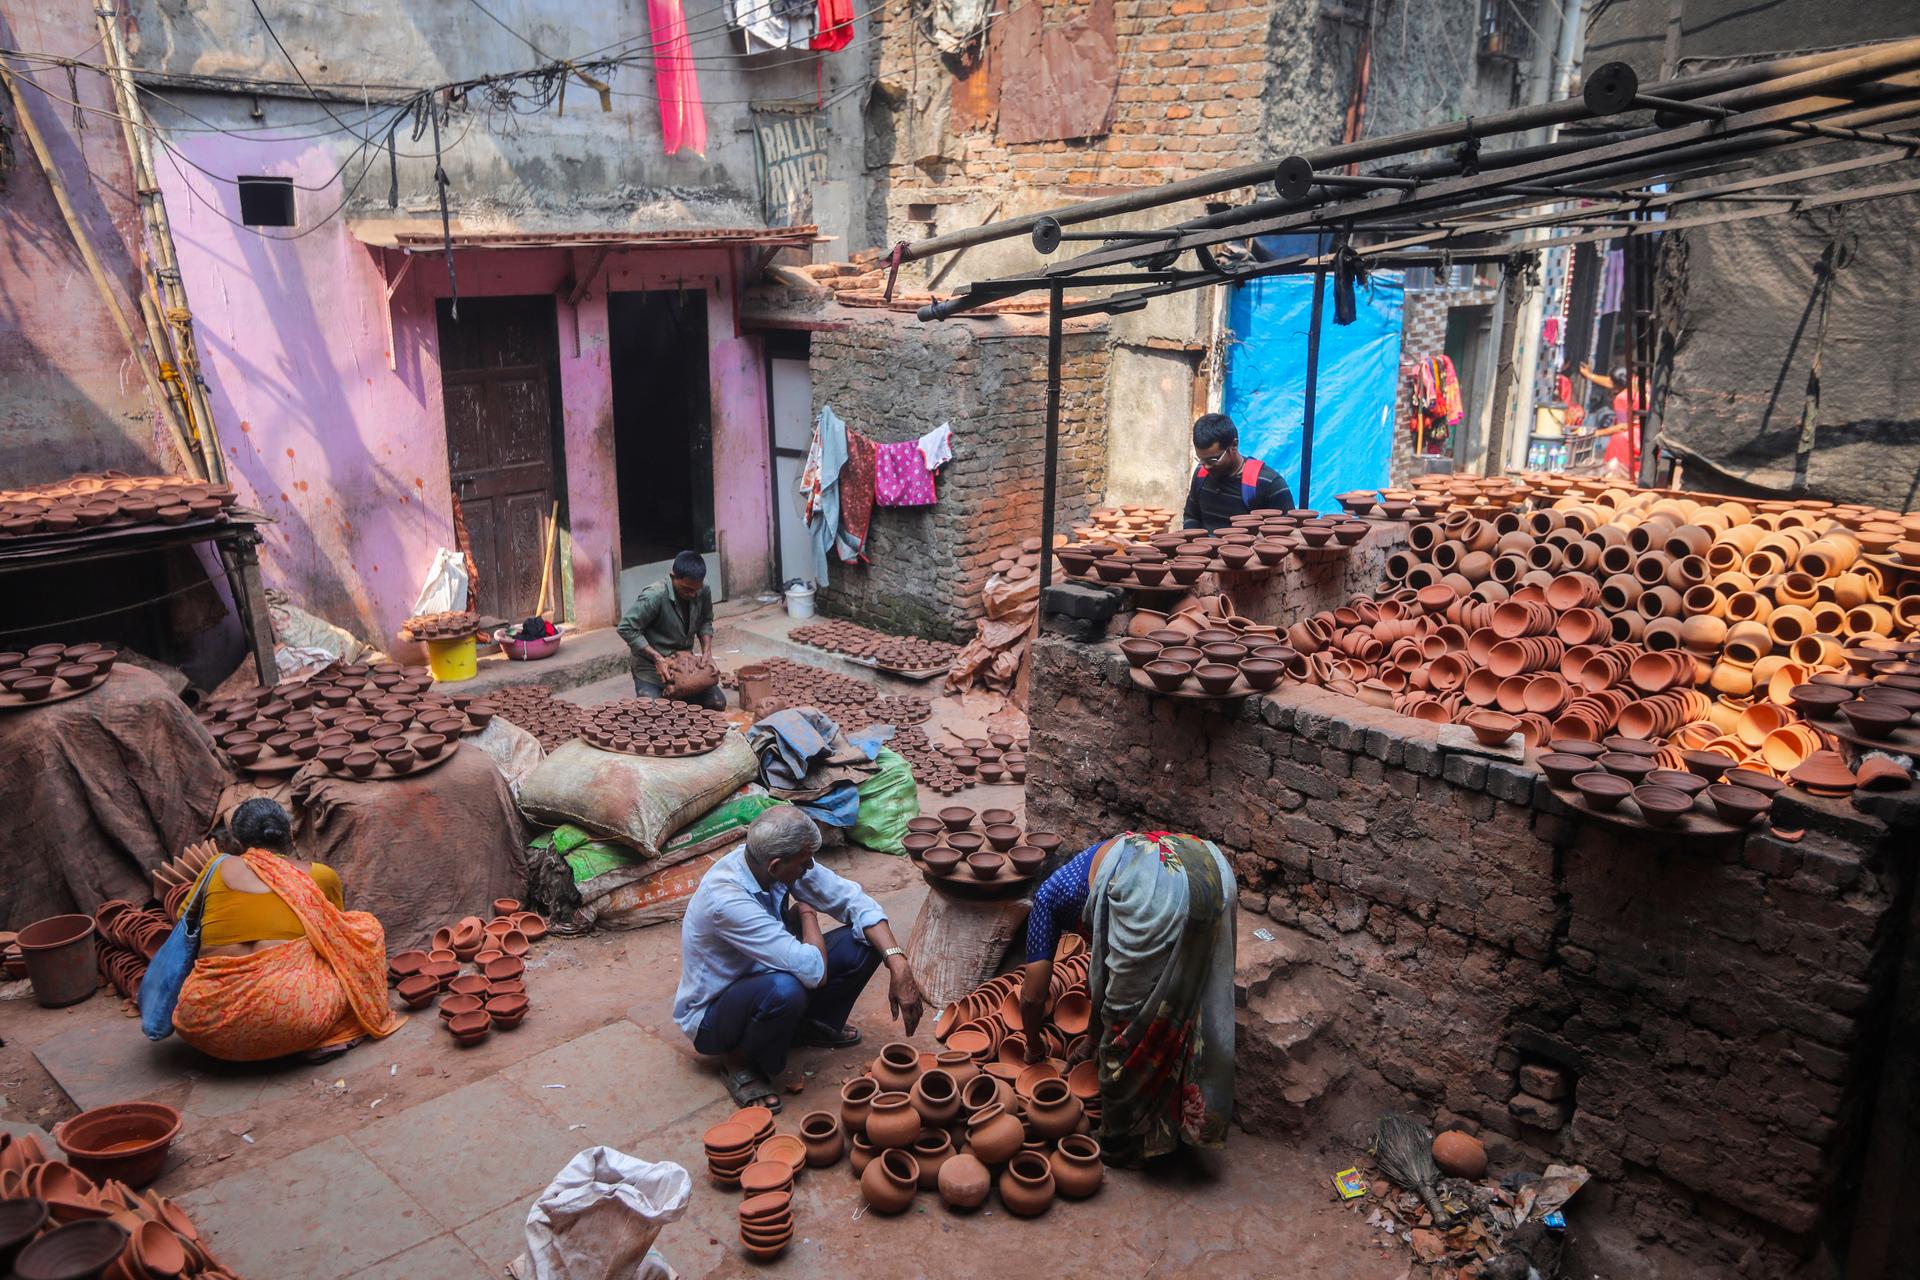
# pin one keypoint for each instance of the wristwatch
(891, 952)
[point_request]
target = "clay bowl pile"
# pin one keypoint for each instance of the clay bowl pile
(1023, 562)
(65, 1221)
(457, 625)
(980, 847)
(748, 1153)
(380, 721)
(126, 937)
(654, 727)
(173, 879)
(493, 997)
(933, 768)
(1214, 662)
(889, 653)
(999, 757)
(534, 708)
(1478, 495)
(1254, 543)
(52, 671)
(973, 1116)
(112, 500)
(1123, 524)
(1627, 781)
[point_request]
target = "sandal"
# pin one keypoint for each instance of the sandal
(817, 1035)
(748, 1088)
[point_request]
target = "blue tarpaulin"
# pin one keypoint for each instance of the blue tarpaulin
(1266, 382)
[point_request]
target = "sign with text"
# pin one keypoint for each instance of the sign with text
(791, 148)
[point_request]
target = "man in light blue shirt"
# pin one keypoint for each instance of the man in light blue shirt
(753, 984)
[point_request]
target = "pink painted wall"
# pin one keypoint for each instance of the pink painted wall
(348, 452)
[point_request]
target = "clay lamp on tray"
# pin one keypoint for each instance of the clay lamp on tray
(966, 842)
(1685, 783)
(1002, 837)
(941, 861)
(957, 817)
(1602, 791)
(1875, 719)
(1661, 806)
(1562, 768)
(1818, 701)
(1634, 768)
(924, 825)
(1215, 677)
(1139, 650)
(986, 865)
(1708, 765)
(1026, 859)
(919, 844)
(1166, 674)
(1738, 805)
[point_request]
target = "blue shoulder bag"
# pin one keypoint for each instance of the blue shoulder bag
(167, 971)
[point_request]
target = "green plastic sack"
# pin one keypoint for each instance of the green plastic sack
(724, 822)
(888, 800)
(586, 856)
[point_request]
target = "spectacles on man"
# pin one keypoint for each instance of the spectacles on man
(1211, 458)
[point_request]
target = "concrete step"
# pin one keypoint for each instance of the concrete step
(584, 657)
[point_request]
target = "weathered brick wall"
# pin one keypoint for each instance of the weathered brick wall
(893, 378)
(1710, 1007)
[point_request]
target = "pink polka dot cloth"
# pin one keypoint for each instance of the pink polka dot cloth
(900, 476)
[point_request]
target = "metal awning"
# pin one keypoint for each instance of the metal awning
(415, 235)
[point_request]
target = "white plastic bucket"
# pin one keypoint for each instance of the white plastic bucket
(799, 601)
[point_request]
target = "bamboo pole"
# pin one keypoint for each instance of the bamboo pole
(84, 243)
(546, 566)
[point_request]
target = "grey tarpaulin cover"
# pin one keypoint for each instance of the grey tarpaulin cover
(1748, 310)
(99, 790)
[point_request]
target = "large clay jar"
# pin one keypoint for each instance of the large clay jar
(892, 1122)
(1027, 1187)
(935, 1098)
(984, 1091)
(897, 1067)
(994, 1134)
(933, 1148)
(889, 1183)
(823, 1136)
(1052, 1109)
(860, 1154)
(856, 1100)
(959, 1065)
(964, 1182)
(1077, 1170)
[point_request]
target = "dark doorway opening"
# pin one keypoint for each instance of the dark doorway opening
(663, 441)
(1469, 346)
(500, 380)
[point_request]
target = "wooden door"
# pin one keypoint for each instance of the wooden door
(499, 375)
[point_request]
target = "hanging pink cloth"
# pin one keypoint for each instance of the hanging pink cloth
(683, 121)
(833, 26)
(900, 476)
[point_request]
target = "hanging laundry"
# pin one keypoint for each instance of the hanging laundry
(683, 121)
(856, 498)
(819, 488)
(936, 447)
(835, 23)
(1434, 394)
(773, 24)
(900, 476)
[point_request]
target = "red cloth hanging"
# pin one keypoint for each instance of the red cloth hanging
(683, 120)
(834, 29)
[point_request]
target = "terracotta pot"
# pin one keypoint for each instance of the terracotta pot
(931, 1150)
(860, 1153)
(935, 1097)
(1052, 1109)
(897, 1067)
(892, 1121)
(856, 1102)
(890, 1182)
(994, 1134)
(824, 1138)
(964, 1182)
(1077, 1168)
(1027, 1186)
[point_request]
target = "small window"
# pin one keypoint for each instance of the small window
(266, 202)
(921, 213)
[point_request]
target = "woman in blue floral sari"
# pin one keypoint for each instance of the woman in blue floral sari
(1159, 913)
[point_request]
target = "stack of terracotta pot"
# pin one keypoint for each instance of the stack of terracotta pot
(746, 1152)
(1122, 524)
(459, 624)
(946, 1121)
(126, 937)
(491, 998)
(998, 757)
(1023, 562)
(61, 1220)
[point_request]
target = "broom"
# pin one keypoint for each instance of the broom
(1403, 1149)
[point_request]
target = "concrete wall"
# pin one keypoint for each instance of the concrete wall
(71, 396)
(347, 451)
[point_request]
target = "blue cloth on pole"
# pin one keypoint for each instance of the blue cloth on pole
(1265, 392)
(824, 529)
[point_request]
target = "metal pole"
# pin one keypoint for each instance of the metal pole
(1050, 483)
(1313, 389)
(1329, 158)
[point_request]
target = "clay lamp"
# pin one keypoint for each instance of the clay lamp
(1708, 765)
(1026, 859)
(244, 753)
(919, 843)
(1151, 575)
(418, 990)
(508, 1011)
(1492, 728)
(924, 825)
(1165, 674)
(1216, 678)
(1679, 780)
(985, 866)
(1045, 841)
(361, 764)
(1634, 768)
(380, 746)
(1823, 773)
(1738, 805)
(1186, 570)
(503, 969)
(1619, 744)
(941, 861)
(1189, 654)
(966, 842)
(470, 984)
(455, 1005)
(998, 817)
(400, 760)
(1603, 792)
(1562, 768)
(1753, 780)
(1351, 532)
(958, 817)
(1875, 719)
(1661, 806)
(1003, 837)
(77, 675)
(428, 746)
(470, 1029)
(1818, 701)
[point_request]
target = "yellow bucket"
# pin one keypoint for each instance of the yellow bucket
(452, 660)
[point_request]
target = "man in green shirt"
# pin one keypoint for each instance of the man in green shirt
(671, 617)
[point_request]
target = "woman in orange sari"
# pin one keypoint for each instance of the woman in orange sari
(282, 968)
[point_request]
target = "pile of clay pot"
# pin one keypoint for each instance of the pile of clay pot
(996, 758)
(353, 720)
(951, 1120)
(1177, 558)
(654, 727)
(491, 998)
(454, 625)
(113, 500)
(1023, 562)
(889, 653)
(534, 708)
(125, 938)
(1211, 661)
(746, 1152)
(47, 669)
(986, 847)
(174, 879)
(57, 1221)
(1121, 524)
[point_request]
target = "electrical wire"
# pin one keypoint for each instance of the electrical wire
(275, 37)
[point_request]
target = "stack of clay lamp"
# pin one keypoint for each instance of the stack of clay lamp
(491, 998)
(1252, 543)
(174, 878)
(379, 721)
(86, 1216)
(453, 625)
(933, 767)
(48, 669)
(745, 1152)
(113, 500)
(126, 937)
(534, 708)
(1208, 661)
(852, 704)
(654, 727)
(998, 757)
(1024, 562)
(986, 847)
(946, 1121)
(1602, 610)
(889, 653)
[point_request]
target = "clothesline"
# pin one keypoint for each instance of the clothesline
(847, 475)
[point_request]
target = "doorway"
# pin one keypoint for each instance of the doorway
(662, 432)
(1469, 346)
(790, 423)
(500, 384)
